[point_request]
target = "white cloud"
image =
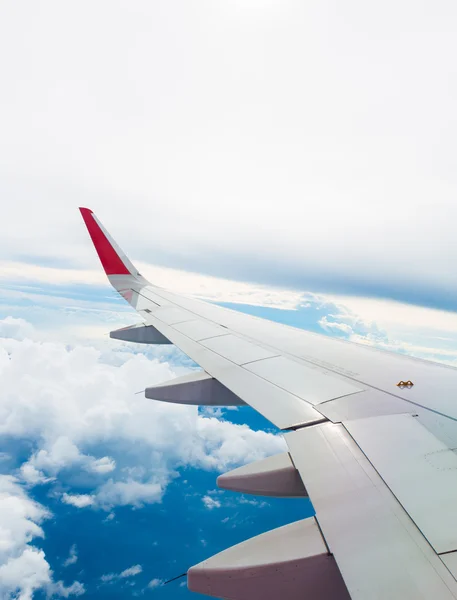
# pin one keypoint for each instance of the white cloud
(210, 502)
(109, 517)
(23, 567)
(78, 500)
(81, 402)
(59, 589)
(155, 583)
(334, 326)
(135, 493)
(215, 289)
(102, 465)
(63, 453)
(24, 573)
(395, 316)
(130, 572)
(18, 329)
(420, 332)
(251, 501)
(20, 517)
(30, 474)
(72, 558)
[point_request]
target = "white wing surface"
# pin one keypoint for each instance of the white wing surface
(377, 460)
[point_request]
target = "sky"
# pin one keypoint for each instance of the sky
(309, 145)
(296, 161)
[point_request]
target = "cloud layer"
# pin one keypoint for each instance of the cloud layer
(95, 443)
(23, 567)
(317, 151)
(71, 399)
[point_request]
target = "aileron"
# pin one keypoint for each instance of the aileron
(424, 480)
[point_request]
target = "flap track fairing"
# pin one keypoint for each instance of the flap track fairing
(140, 334)
(273, 476)
(197, 388)
(288, 562)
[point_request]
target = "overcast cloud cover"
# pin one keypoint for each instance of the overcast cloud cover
(306, 144)
(293, 160)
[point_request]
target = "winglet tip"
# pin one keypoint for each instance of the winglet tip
(85, 211)
(112, 263)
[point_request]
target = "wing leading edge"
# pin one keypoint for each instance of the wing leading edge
(370, 538)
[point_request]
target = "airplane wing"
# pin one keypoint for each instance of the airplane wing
(372, 439)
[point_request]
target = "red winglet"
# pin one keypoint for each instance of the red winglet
(110, 259)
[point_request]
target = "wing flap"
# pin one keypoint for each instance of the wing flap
(424, 480)
(450, 560)
(379, 550)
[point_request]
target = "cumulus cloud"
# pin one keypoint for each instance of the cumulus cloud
(23, 567)
(102, 465)
(109, 518)
(210, 502)
(135, 493)
(72, 403)
(63, 453)
(72, 558)
(20, 519)
(130, 572)
(25, 573)
(60, 590)
(335, 326)
(78, 500)
(30, 474)
(80, 402)
(391, 326)
(19, 329)
(155, 583)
